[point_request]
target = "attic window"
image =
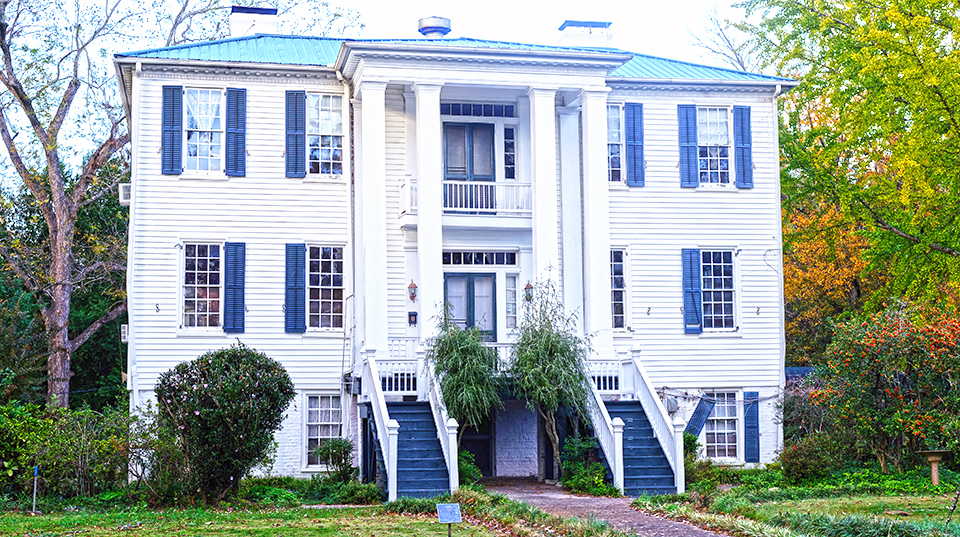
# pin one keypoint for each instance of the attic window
(477, 110)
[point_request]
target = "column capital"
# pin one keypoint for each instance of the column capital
(568, 111)
(594, 93)
(426, 87)
(373, 86)
(541, 91)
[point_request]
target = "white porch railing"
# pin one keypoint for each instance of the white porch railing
(609, 433)
(446, 429)
(487, 197)
(388, 430)
(669, 433)
(605, 376)
(398, 377)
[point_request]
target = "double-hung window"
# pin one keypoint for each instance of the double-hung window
(618, 286)
(709, 291)
(203, 131)
(625, 160)
(213, 286)
(323, 421)
(720, 440)
(314, 135)
(314, 289)
(716, 146)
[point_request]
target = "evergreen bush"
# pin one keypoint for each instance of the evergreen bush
(224, 407)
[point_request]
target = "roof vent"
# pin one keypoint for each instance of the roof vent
(585, 34)
(434, 27)
(246, 21)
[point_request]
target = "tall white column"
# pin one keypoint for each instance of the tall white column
(570, 212)
(596, 222)
(543, 134)
(373, 199)
(429, 206)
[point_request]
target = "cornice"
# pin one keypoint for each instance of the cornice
(262, 74)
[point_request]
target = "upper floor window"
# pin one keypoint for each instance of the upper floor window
(201, 285)
(325, 134)
(614, 143)
(713, 145)
(469, 152)
(325, 287)
(709, 291)
(204, 129)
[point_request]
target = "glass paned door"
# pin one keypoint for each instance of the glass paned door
(471, 300)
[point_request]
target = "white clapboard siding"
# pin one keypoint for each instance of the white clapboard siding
(396, 158)
(264, 209)
(656, 221)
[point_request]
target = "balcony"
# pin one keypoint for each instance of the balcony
(474, 203)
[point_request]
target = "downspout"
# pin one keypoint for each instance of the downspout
(133, 378)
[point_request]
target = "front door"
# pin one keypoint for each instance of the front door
(472, 302)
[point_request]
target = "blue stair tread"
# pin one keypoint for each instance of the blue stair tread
(646, 469)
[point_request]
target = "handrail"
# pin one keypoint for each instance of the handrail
(657, 416)
(603, 427)
(488, 197)
(386, 428)
(446, 428)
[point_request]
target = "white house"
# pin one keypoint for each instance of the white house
(318, 199)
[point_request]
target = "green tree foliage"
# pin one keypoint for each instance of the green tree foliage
(874, 127)
(225, 407)
(893, 377)
(549, 361)
(22, 347)
(467, 372)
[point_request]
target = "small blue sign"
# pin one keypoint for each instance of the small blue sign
(449, 513)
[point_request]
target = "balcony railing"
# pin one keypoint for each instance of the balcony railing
(474, 198)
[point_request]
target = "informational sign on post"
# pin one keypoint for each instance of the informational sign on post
(449, 514)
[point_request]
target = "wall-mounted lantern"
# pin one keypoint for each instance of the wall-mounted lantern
(412, 291)
(528, 291)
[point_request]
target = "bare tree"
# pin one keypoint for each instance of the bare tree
(53, 84)
(722, 39)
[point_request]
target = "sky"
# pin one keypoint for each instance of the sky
(657, 28)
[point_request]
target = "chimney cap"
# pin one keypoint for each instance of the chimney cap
(584, 24)
(254, 10)
(434, 27)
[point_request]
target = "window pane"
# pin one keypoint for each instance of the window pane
(456, 141)
(483, 314)
(483, 150)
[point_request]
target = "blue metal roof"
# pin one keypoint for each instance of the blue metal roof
(301, 50)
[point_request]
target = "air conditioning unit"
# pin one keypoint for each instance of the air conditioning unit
(124, 333)
(125, 191)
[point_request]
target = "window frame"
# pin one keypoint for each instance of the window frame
(344, 155)
(626, 280)
(305, 424)
(738, 405)
(731, 148)
(734, 255)
(490, 335)
(209, 174)
(622, 144)
(183, 328)
(307, 287)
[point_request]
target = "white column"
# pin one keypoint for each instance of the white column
(373, 199)
(570, 212)
(429, 206)
(596, 222)
(543, 133)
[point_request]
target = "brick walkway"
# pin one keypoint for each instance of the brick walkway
(616, 511)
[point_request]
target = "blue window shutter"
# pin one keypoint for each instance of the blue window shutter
(751, 426)
(689, 169)
(633, 118)
(236, 132)
(171, 135)
(692, 299)
(296, 134)
(743, 146)
(700, 415)
(295, 317)
(234, 254)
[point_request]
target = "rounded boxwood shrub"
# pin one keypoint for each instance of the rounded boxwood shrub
(225, 407)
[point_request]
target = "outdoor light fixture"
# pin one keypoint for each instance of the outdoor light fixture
(528, 291)
(412, 289)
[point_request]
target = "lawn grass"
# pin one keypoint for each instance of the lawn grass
(905, 508)
(360, 522)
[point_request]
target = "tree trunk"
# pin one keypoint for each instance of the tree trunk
(550, 425)
(56, 316)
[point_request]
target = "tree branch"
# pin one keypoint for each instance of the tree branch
(886, 226)
(97, 325)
